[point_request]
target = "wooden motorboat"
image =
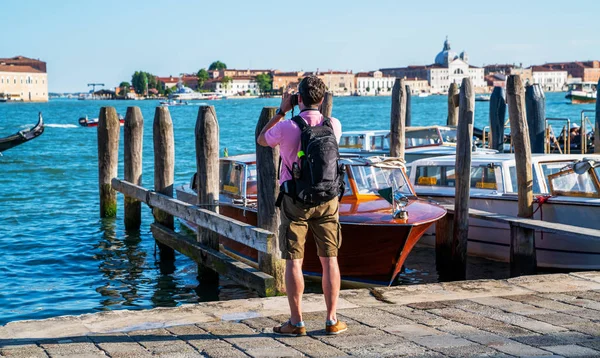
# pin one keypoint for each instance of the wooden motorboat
(561, 197)
(86, 122)
(375, 244)
(23, 136)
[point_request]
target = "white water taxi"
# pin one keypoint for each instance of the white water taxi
(421, 142)
(563, 195)
(585, 92)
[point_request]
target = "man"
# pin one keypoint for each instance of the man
(297, 217)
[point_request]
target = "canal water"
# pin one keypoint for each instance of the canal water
(57, 257)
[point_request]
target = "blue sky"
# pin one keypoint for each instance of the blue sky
(106, 41)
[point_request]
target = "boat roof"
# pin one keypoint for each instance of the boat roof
(366, 132)
(484, 158)
(386, 131)
(241, 158)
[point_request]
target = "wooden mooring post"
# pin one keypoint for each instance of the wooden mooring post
(133, 146)
(597, 133)
(535, 105)
(453, 101)
(268, 216)
(497, 119)
(109, 129)
(522, 248)
(207, 179)
(164, 171)
(464, 143)
(398, 119)
(326, 106)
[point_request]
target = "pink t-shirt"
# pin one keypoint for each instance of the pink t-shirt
(286, 134)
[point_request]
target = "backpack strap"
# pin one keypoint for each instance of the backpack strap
(327, 122)
(300, 122)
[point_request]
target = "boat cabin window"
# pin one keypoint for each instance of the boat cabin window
(422, 137)
(482, 177)
(568, 183)
(237, 179)
(513, 186)
(433, 175)
(380, 142)
(369, 179)
(352, 141)
(550, 168)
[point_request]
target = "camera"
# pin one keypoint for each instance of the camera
(294, 99)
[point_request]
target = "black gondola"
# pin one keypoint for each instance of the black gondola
(22, 136)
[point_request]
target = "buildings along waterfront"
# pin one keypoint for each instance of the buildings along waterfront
(23, 79)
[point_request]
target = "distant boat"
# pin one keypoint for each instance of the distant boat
(423, 94)
(173, 102)
(483, 98)
(22, 136)
(86, 122)
(584, 92)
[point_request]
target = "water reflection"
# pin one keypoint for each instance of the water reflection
(122, 263)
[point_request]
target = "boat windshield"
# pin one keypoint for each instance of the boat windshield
(422, 137)
(568, 183)
(448, 135)
(352, 141)
(369, 179)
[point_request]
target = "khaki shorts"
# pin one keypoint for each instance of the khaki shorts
(323, 221)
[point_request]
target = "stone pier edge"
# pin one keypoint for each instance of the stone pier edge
(235, 310)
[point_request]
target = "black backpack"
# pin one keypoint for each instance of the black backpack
(320, 177)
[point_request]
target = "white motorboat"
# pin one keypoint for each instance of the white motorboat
(562, 196)
(421, 142)
(584, 92)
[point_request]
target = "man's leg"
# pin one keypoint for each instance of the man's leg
(331, 285)
(294, 286)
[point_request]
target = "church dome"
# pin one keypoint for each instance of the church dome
(446, 55)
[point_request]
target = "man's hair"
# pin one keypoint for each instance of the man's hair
(312, 90)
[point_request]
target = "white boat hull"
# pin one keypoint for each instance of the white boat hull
(492, 240)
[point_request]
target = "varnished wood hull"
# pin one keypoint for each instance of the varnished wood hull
(372, 254)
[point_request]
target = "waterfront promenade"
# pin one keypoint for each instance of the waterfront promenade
(545, 315)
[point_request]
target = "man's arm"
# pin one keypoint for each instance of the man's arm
(286, 106)
(261, 137)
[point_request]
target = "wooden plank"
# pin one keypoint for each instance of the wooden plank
(241, 273)
(398, 119)
(549, 227)
(133, 145)
(248, 235)
(408, 120)
(523, 242)
(464, 139)
(268, 216)
(109, 130)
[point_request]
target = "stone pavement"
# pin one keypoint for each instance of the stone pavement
(547, 315)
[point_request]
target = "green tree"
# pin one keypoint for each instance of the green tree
(139, 80)
(124, 84)
(217, 65)
(202, 77)
(368, 89)
(265, 82)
